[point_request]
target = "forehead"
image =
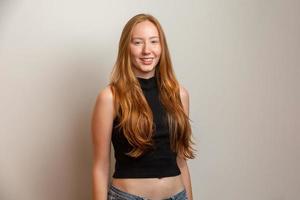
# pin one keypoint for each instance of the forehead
(145, 29)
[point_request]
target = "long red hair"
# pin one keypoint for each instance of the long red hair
(136, 117)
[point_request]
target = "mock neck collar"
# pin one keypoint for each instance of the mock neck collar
(147, 83)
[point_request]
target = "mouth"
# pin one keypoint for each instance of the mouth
(147, 61)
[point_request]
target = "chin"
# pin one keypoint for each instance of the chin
(146, 68)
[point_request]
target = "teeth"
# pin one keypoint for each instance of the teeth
(146, 59)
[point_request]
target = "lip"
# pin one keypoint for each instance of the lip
(147, 61)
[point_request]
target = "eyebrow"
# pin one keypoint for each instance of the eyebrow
(142, 38)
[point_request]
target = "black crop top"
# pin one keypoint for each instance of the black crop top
(156, 163)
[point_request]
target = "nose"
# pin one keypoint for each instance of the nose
(146, 49)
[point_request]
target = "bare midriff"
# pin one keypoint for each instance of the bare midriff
(150, 188)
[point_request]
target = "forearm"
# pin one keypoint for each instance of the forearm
(185, 174)
(100, 184)
(187, 182)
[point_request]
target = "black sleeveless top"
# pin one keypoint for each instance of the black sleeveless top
(156, 163)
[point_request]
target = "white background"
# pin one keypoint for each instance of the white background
(239, 61)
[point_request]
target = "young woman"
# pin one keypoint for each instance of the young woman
(144, 112)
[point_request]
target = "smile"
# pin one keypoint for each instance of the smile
(146, 59)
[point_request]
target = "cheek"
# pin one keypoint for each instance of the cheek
(158, 52)
(134, 51)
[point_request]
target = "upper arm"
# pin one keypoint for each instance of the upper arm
(184, 96)
(102, 122)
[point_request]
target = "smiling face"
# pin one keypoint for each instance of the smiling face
(145, 49)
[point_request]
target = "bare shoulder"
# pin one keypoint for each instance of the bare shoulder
(105, 101)
(105, 94)
(184, 96)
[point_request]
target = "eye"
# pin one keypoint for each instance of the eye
(155, 41)
(137, 42)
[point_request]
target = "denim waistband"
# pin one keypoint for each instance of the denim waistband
(116, 194)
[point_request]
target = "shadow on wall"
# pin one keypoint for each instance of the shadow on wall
(62, 171)
(81, 83)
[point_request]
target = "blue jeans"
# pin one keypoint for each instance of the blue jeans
(116, 194)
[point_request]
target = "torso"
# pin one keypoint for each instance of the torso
(150, 188)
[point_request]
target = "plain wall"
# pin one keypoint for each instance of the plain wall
(239, 60)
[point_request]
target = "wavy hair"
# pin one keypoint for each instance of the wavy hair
(136, 117)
